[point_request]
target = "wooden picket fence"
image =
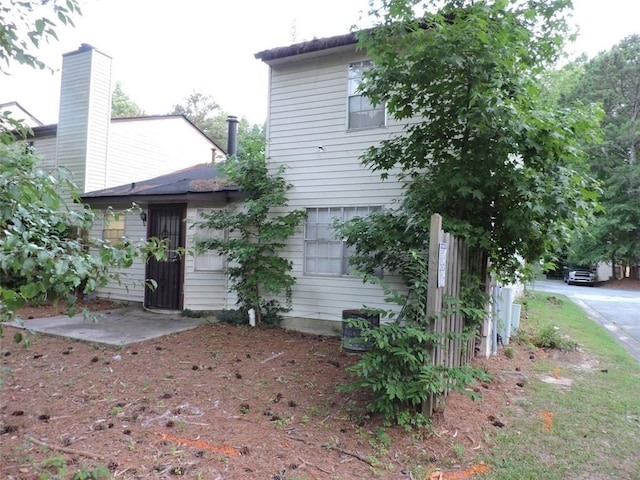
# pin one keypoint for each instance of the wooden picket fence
(449, 257)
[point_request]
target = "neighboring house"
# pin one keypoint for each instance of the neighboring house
(102, 153)
(17, 112)
(318, 126)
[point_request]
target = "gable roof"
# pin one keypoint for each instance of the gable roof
(167, 117)
(51, 130)
(316, 46)
(18, 112)
(200, 181)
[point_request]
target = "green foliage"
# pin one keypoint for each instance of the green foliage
(206, 114)
(233, 317)
(44, 249)
(612, 80)
(57, 466)
(53, 465)
(549, 336)
(256, 232)
(473, 301)
(97, 473)
(385, 239)
(209, 117)
(25, 25)
(398, 370)
(486, 152)
(122, 105)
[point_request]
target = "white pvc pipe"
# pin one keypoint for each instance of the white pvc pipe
(496, 316)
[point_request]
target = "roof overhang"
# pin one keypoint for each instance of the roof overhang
(313, 48)
(219, 198)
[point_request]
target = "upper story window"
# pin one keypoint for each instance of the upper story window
(361, 113)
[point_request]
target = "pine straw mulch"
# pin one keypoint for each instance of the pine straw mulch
(224, 402)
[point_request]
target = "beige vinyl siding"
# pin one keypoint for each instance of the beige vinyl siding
(99, 122)
(83, 125)
(308, 109)
(45, 148)
(203, 289)
(131, 285)
(145, 148)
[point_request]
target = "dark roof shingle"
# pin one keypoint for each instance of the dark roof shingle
(311, 46)
(204, 178)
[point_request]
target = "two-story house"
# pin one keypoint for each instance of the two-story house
(318, 127)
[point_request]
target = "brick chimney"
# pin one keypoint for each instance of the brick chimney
(85, 116)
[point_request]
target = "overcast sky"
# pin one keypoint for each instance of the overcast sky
(164, 50)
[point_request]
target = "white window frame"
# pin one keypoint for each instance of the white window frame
(113, 228)
(324, 254)
(354, 96)
(211, 260)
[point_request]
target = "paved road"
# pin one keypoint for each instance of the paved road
(617, 310)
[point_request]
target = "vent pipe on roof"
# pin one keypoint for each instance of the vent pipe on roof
(232, 137)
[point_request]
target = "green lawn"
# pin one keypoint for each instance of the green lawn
(595, 428)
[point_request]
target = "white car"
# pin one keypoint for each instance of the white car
(581, 277)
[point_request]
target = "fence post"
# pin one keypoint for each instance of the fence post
(434, 300)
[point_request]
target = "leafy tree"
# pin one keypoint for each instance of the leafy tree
(207, 115)
(256, 234)
(45, 253)
(612, 79)
(251, 139)
(560, 84)
(122, 105)
(24, 25)
(480, 147)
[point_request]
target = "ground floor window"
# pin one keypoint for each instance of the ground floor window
(209, 260)
(324, 254)
(113, 228)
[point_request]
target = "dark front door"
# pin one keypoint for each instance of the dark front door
(166, 222)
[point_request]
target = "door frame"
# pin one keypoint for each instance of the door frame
(152, 210)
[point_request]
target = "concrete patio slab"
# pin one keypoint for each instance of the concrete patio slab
(122, 326)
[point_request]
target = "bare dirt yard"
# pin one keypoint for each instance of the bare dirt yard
(226, 402)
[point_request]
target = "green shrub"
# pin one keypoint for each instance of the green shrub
(549, 337)
(233, 317)
(399, 372)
